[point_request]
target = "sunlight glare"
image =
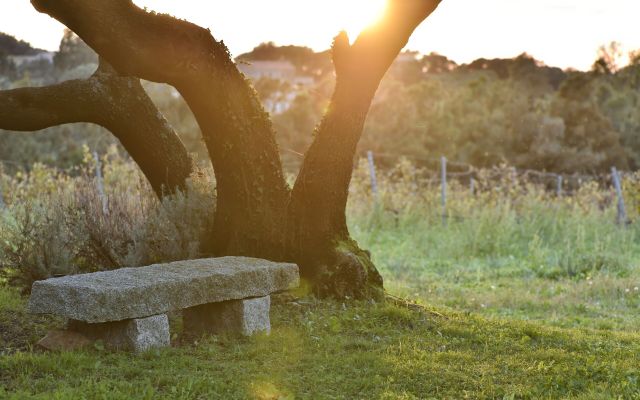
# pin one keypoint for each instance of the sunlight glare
(356, 15)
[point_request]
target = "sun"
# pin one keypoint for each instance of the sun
(356, 15)
(306, 23)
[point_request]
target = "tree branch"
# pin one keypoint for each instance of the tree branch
(377, 47)
(320, 193)
(251, 188)
(32, 109)
(117, 103)
(151, 46)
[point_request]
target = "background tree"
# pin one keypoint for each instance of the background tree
(73, 52)
(7, 69)
(306, 61)
(11, 45)
(422, 110)
(609, 58)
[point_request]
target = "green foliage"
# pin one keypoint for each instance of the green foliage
(474, 116)
(618, 97)
(304, 59)
(60, 147)
(512, 249)
(7, 70)
(177, 112)
(516, 111)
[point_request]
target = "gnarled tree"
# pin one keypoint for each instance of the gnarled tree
(257, 213)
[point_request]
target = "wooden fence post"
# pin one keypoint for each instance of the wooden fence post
(622, 212)
(472, 186)
(372, 174)
(443, 170)
(2, 203)
(559, 185)
(100, 184)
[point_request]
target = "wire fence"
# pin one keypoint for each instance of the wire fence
(562, 184)
(438, 171)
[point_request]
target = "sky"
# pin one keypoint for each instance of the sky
(563, 33)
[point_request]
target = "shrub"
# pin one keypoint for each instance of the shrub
(59, 223)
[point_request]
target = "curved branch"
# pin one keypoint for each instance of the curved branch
(250, 185)
(117, 103)
(319, 197)
(375, 49)
(32, 109)
(155, 47)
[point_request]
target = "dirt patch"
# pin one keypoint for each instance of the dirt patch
(20, 331)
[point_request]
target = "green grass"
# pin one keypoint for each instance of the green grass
(332, 350)
(538, 298)
(561, 267)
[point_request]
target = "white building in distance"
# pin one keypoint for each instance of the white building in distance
(19, 61)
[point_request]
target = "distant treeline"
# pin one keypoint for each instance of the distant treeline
(9, 45)
(516, 111)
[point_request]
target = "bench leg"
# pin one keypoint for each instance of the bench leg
(136, 335)
(244, 317)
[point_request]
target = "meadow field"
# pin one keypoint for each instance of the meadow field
(513, 249)
(518, 293)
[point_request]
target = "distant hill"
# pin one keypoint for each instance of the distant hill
(9, 45)
(306, 61)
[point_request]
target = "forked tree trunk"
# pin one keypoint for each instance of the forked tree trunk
(257, 214)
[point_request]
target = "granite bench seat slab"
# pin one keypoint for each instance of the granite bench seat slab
(130, 293)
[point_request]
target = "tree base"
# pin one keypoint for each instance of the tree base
(349, 273)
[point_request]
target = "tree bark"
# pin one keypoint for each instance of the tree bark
(117, 103)
(319, 198)
(251, 190)
(257, 214)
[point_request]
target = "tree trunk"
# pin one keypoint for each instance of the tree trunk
(257, 214)
(324, 249)
(251, 190)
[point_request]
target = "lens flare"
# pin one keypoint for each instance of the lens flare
(356, 15)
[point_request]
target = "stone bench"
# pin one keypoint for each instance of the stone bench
(127, 308)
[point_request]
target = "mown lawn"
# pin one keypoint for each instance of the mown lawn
(332, 350)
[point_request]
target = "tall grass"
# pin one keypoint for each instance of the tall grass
(511, 248)
(55, 222)
(551, 235)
